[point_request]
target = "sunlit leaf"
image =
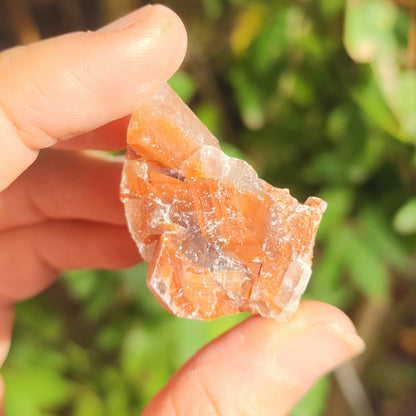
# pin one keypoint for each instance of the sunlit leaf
(40, 387)
(405, 218)
(369, 28)
(184, 85)
(249, 99)
(269, 45)
(231, 150)
(246, 26)
(369, 96)
(88, 404)
(405, 100)
(314, 401)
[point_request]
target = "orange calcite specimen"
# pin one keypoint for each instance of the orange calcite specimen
(217, 238)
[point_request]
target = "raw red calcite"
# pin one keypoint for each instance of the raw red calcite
(218, 239)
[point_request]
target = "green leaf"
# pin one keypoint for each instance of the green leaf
(340, 201)
(369, 28)
(208, 112)
(33, 312)
(146, 357)
(397, 87)
(247, 25)
(41, 388)
(135, 281)
(314, 401)
(213, 8)
(249, 99)
(337, 123)
(370, 98)
(405, 101)
(327, 168)
(136, 351)
(404, 220)
(192, 335)
(88, 404)
(380, 237)
(101, 300)
(326, 283)
(331, 8)
(15, 406)
(232, 151)
(184, 85)
(368, 272)
(30, 351)
(370, 37)
(268, 46)
(303, 92)
(117, 401)
(81, 283)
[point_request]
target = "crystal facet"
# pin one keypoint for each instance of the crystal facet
(218, 239)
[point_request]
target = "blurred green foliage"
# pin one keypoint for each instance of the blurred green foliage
(317, 96)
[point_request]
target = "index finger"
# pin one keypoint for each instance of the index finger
(66, 86)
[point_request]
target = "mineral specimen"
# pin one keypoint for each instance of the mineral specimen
(217, 238)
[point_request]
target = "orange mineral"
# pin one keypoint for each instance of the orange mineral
(218, 239)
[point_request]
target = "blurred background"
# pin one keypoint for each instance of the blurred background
(320, 96)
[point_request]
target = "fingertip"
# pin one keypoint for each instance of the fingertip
(312, 311)
(261, 366)
(156, 13)
(163, 19)
(161, 13)
(161, 26)
(320, 313)
(127, 20)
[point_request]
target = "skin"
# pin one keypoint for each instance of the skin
(60, 209)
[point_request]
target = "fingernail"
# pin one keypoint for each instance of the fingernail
(155, 20)
(328, 346)
(128, 20)
(354, 341)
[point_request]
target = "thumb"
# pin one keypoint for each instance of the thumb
(68, 85)
(260, 367)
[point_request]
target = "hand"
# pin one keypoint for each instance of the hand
(60, 209)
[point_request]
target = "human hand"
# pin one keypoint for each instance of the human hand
(71, 93)
(75, 92)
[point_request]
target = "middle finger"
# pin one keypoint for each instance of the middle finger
(64, 185)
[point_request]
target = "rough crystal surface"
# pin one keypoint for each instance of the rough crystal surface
(217, 238)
